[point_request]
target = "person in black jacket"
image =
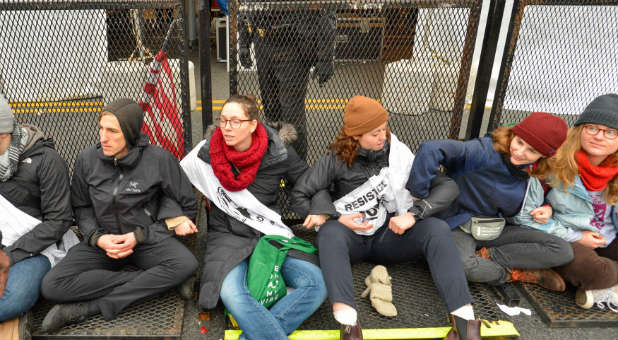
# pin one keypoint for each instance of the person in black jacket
(373, 217)
(246, 157)
(288, 44)
(120, 193)
(35, 180)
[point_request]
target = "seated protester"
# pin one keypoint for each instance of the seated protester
(116, 190)
(584, 177)
(35, 206)
(240, 168)
(373, 217)
(493, 173)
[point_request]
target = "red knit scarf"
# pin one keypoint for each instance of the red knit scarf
(222, 157)
(595, 178)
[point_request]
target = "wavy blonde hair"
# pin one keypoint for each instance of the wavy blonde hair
(564, 166)
(346, 148)
(503, 136)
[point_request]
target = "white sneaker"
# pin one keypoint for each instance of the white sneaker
(607, 297)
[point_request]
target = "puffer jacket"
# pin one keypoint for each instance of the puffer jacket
(333, 175)
(118, 196)
(40, 188)
(231, 241)
(572, 210)
(489, 184)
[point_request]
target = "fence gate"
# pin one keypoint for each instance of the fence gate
(62, 61)
(559, 56)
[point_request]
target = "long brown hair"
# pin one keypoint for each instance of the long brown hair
(346, 148)
(503, 136)
(564, 166)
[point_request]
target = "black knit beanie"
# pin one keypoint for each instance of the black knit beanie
(603, 110)
(130, 116)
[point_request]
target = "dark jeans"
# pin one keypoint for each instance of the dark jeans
(283, 74)
(592, 268)
(430, 238)
(87, 273)
(516, 248)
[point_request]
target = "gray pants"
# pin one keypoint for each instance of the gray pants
(87, 273)
(516, 248)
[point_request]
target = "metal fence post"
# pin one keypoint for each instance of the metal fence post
(486, 62)
(204, 48)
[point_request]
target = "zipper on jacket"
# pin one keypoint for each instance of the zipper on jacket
(115, 194)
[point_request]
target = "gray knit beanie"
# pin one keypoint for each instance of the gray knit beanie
(603, 110)
(6, 116)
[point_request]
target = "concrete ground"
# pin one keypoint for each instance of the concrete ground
(201, 326)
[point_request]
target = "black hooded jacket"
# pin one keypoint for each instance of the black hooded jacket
(40, 188)
(118, 196)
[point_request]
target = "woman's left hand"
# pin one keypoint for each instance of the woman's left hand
(313, 221)
(541, 214)
(399, 224)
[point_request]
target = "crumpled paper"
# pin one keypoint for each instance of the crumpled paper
(512, 311)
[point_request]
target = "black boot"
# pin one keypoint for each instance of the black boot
(464, 329)
(351, 332)
(186, 288)
(62, 315)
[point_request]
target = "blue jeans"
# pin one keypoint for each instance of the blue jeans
(23, 287)
(288, 313)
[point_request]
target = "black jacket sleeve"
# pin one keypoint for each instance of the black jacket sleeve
(56, 213)
(175, 186)
(310, 195)
(442, 193)
(82, 205)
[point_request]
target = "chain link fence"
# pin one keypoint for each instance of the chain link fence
(304, 59)
(559, 56)
(62, 61)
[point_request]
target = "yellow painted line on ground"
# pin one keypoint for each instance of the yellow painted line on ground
(51, 110)
(309, 107)
(497, 329)
(322, 100)
(54, 104)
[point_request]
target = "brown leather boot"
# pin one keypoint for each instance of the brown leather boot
(5, 263)
(351, 332)
(546, 278)
(464, 329)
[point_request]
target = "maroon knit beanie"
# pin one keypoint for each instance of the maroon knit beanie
(543, 131)
(362, 115)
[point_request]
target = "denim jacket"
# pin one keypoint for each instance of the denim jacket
(572, 210)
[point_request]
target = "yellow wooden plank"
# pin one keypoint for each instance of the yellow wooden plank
(496, 329)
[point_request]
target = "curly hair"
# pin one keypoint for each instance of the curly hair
(503, 136)
(346, 148)
(564, 166)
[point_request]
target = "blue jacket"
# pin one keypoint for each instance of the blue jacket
(488, 188)
(572, 210)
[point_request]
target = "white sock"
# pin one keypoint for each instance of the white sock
(465, 312)
(346, 316)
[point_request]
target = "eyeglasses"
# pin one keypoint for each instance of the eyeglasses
(593, 131)
(234, 123)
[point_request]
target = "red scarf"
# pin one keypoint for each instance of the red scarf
(595, 178)
(222, 157)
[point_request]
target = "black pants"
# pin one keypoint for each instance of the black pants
(340, 247)
(87, 273)
(283, 74)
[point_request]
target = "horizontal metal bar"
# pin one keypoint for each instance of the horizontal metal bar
(21, 5)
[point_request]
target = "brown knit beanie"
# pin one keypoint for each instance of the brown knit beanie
(543, 131)
(362, 115)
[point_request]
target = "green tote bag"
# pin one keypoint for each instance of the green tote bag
(264, 277)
